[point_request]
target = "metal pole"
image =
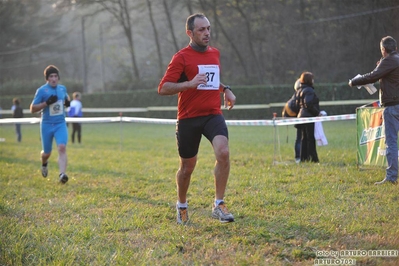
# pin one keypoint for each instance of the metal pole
(84, 56)
(276, 141)
(102, 57)
(275, 138)
(120, 129)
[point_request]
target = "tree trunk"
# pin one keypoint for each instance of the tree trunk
(129, 33)
(172, 32)
(157, 43)
(229, 40)
(254, 56)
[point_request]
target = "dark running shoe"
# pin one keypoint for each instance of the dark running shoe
(63, 178)
(44, 171)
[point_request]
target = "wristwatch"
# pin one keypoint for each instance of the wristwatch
(227, 88)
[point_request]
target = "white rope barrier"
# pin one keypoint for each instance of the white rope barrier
(272, 122)
(174, 108)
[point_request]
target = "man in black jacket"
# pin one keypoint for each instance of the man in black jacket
(387, 71)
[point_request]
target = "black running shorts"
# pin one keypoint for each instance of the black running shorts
(190, 130)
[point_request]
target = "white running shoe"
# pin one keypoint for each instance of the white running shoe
(182, 215)
(220, 212)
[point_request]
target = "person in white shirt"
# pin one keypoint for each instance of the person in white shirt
(75, 110)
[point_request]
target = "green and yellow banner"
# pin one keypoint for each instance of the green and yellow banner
(371, 147)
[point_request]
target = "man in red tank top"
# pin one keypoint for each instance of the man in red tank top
(194, 74)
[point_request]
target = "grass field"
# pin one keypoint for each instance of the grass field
(118, 207)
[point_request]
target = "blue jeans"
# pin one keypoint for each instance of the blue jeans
(18, 132)
(391, 126)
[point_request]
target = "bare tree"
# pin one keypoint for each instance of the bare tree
(170, 23)
(248, 30)
(157, 43)
(28, 37)
(120, 10)
(189, 6)
(236, 53)
(261, 41)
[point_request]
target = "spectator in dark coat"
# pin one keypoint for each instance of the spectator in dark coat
(309, 107)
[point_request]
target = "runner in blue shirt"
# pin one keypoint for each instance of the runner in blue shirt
(51, 99)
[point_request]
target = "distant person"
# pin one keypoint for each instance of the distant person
(291, 109)
(194, 74)
(308, 107)
(51, 99)
(75, 110)
(17, 112)
(387, 72)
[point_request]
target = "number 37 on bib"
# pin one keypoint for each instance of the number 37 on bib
(212, 77)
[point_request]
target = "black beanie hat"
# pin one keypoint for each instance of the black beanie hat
(50, 70)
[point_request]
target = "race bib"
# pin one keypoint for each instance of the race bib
(212, 76)
(57, 108)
